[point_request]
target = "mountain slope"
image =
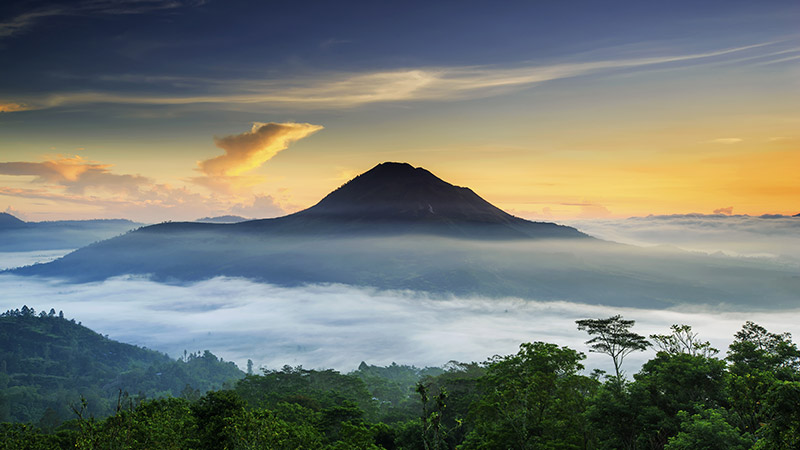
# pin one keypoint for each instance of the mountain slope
(398, 199)
(47, 361)
(9, 222)
(397, 227)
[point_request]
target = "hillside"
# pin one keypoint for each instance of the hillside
(49, 362)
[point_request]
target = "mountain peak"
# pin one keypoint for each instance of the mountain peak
(8, 221)
(394, 191)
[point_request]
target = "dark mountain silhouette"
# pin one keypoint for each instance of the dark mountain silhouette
(400, 227)
(9, 222)
(398, 199)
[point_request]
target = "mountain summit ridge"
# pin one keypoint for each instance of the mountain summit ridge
(399, 191)
(396, 198)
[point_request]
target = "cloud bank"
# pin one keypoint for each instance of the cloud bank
(76, 174)
(338, 326)
(773, 236)
(78, 181)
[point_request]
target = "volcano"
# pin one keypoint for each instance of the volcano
(400, 227)
(399, 199)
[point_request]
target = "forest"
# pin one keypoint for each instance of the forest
(689, 396)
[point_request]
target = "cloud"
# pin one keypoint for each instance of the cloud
(727, 211)
(74, 173)
(12, 107)
(773, 236)
(29, 19)
(339, 326)
(78, 181)
(248, 151)
(262, 206)
(726, 141)
(348, 90)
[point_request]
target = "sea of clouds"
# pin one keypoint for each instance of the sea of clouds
(338, 326)
(771, 236)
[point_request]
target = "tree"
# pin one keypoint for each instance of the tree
(755, 349)
(211, 413)
(534, 399)
(707, 430)
(613, 337)
(759, 360)
(682, 340)
(670, 383)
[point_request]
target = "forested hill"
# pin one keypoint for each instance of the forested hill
(48, 362)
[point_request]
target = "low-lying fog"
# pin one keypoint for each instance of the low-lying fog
(769, 236)
(339, 326)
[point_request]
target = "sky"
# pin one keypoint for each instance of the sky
(157, 110)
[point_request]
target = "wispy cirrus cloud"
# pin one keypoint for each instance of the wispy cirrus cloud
(28, 19)
(727, 141)
(356, 89)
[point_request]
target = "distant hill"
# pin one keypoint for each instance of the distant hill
(400, 227)
(47, 361)
(223, 219)
(19, 236)
(9, 222)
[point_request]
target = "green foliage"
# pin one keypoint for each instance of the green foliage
(707, 431)
(392, 387)
(670, 383)
(754, 349)
(49, 363)
(532, 400)
(260, 429)
(213, 414)
(682, 340)
(19, 436)
(782, 405)
(613, 337)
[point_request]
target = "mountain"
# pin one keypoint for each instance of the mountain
(47, 361)
(9, 222)
(223, 219)
(19, 236)
(398, 199)
(400, 227)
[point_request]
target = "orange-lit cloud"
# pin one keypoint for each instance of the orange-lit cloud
(248, 151)
(725, 141)
(73, 180)
(74, 173)
(12, 107)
